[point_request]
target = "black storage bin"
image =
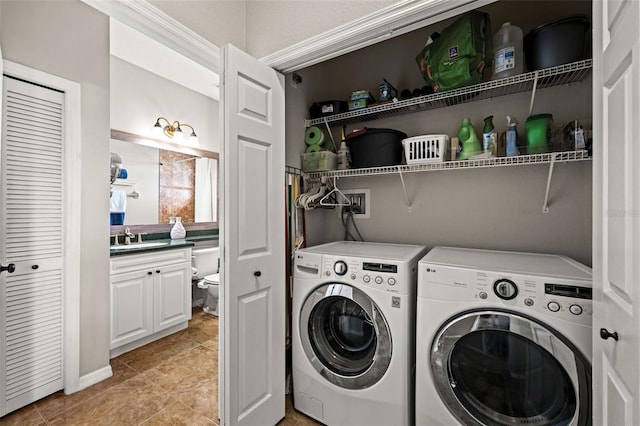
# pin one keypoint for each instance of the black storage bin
(556, 43)
(325, 108)
(375, 147)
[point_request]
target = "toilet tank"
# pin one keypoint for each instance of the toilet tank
(205, 261)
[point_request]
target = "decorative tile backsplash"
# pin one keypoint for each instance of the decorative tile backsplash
(177, 186)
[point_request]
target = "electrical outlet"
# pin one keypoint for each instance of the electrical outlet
(360, 202)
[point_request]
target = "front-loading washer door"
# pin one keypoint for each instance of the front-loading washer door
(345, 336)
(503, 368)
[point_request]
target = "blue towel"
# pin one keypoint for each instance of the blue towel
(117, 218)
(123, 174)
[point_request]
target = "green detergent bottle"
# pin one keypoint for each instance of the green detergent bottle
(469, 140)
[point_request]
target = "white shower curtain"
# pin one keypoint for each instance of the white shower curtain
(206, 190)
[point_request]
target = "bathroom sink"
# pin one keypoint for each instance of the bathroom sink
(138, 246)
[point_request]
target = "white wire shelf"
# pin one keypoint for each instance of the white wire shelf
(548, 77)
(564, 156)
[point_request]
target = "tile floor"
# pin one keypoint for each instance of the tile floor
(172, 381)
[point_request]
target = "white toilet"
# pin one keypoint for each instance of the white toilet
(205, 263)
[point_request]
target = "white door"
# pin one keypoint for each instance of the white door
(616, 226)
(252, 232)
(31, 248)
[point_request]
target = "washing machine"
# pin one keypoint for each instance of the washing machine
(353, 319)
(502, 338)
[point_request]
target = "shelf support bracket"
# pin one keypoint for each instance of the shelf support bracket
(404, 187)
(533, 92)
(545, 205)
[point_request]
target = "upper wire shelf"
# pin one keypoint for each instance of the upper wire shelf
(548, 77)
(546, 158)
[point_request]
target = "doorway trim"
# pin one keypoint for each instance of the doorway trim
(71, 231)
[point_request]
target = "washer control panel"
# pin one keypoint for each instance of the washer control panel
(387, 276)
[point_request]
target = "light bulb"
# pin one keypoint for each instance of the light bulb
(193, 139)
(157, 129)
(177, 134)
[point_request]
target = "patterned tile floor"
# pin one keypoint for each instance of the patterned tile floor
(172, 381)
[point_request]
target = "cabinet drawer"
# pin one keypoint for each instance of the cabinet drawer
(135, 262)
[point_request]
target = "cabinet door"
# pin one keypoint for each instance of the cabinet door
(172, 295)
(131, 306)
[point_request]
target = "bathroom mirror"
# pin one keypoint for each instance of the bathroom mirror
(163, 180)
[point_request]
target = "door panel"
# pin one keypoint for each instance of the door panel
(31, 235)
(173, 296)
(252, 231)
(253, 190)
(616, 226)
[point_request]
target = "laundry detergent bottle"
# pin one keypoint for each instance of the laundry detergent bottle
(469, 141)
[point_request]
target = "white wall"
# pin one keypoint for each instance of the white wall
(273, 25)
(71, 40)
(487, 208)
(219, 21)
(139, 97)
(261, 27)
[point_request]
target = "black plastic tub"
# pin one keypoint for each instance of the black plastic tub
(375, 147)
(325, 108)
(556, 43)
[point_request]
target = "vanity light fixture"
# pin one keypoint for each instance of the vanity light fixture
(174, 130)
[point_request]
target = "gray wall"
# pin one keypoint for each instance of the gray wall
(497, 208)
(71, 40)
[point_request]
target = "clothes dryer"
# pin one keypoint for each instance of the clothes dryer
(502, 338)
(353, 328)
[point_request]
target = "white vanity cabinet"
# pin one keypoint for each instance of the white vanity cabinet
(150, 297)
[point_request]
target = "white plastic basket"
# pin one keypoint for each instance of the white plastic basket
(426, 149)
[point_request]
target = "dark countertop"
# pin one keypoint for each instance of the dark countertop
(150, 245)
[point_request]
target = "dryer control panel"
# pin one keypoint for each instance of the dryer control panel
(386, 275)
(561, 298)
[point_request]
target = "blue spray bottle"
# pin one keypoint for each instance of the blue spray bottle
(512, 137)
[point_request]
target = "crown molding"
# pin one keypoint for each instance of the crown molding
(391, 21)
(151, 21)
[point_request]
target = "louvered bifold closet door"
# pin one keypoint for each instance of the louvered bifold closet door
(31, 214)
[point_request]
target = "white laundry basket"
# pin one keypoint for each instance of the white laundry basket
(426, 149)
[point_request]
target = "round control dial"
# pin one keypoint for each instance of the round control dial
(340, 268)
(505, 289)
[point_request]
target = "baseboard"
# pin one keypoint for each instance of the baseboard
(95, 377)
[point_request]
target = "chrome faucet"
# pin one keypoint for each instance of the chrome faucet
(128, 235)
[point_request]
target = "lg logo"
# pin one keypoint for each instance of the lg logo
(431, 269)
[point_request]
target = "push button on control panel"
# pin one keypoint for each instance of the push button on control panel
(553, 306)
(391, 281)
(379, 280)
(366, 278)
(528, 301)
(483, 295)
(575, 309)
(352, 276)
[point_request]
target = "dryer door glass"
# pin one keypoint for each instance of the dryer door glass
(501, 368)
(345, 336)
(503, 378)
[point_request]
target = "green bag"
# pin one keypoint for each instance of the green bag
(459, 56)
